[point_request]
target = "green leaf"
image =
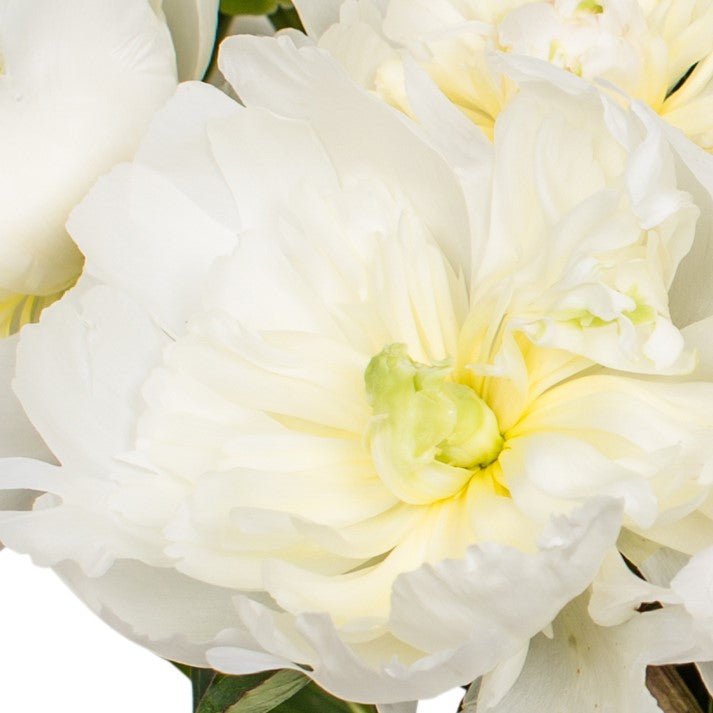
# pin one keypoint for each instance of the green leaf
(286, 16)
(182, 667)
(284, 691)
(312, 699)
(256, 693)
(250, 7)
(270, 694)
(201, 681)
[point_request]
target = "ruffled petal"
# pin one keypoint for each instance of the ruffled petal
(586, 667)
(470, 629)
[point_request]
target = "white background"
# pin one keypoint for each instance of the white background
(56, 656)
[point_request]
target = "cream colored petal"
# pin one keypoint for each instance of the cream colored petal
(617, 593)
(250, 149)
(690, 294)
(318, 15)
(17, 435)
(359, 46)
(174, 616)
(588, 667)
(73, 521)
(307, 84)
(177, 146)
(80, 371)
(460, 614)
(193, 24)
(75, 101)
(134, 219)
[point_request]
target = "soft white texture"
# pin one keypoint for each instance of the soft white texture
(644, 47)
(216, 499)
(75, 101)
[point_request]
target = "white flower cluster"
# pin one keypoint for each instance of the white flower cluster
(398, 372)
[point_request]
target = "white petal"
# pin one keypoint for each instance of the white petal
(193, 24)
(174, 616)
(460, 142)
(252, 373)
(585, 667)
(571, 552)
(73, 521)
(617, 593)
(705, 668)
(176, 146)
(538, 471)
(654, 436)
(17, 435)
(134, 220)
(359, 46)
(251, 149)
(662, 566)
(484, 620)
(357, 601)
(699, 337)
(74, 102)
(318, 15)
(458, 139)
(694, 584)
(495, 684)
(691, 296)
(79, 373)
(307, 84)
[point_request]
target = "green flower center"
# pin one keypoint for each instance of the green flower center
(429, 435)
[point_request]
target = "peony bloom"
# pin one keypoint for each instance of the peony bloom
(657, 51)
(383, 400)
(74, 102)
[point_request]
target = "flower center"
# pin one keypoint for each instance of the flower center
(429, 435)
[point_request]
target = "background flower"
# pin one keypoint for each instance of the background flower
(659, 52)
(243, 482)
(74, 101)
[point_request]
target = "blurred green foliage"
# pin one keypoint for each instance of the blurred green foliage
(284, 691)
(252, 7)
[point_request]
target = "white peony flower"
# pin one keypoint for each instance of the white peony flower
(75, 100)
(658, 51)
(380, 399)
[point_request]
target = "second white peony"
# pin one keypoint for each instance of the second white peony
(656, 51)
